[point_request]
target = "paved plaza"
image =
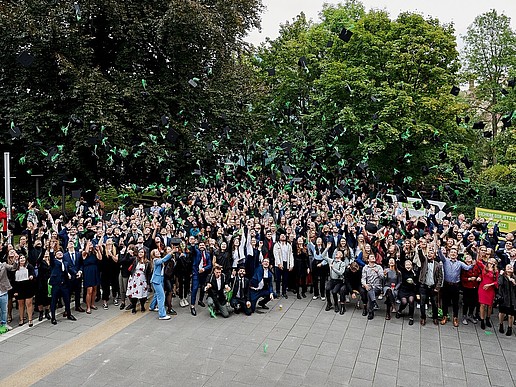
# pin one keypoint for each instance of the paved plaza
(295, 343)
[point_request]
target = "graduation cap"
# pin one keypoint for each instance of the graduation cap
(368, 211)
(25, 59)
(492, 192)
(425, 171)
(479, 125)
(504, 92)
(417, 205)
(467, 119)
(164, 120)
(467, 162)
(488, 134)
(329, 43)
(458, 120)
(371, 228)
(345, 35)
(359, 205)
(455, 91)
(271, 72)
(193, 82)
(339, 192)
(337, 129)
(426, 203)
(511, 82)
(471, 193)
(443, 155)
(302, 62)
(401, 197)
(361, 137)
(172, 135)
(14, 131)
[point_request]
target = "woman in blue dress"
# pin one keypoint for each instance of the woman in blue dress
(91, 275)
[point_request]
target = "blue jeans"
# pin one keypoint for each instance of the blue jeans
(159, 296)
(3, 308)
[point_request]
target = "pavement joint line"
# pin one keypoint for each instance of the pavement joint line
(63, 354)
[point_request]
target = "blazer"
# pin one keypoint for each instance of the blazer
(258, 277)
(57, 275)
(236, 287)
(213, 292)
(438, 271)
(5, 284)
(197, 261)
(278, 258)
(157, 274)
(78, 265)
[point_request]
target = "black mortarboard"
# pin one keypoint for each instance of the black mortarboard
(421, 225)
(93, 140)
(479, 125)
(511, 82)
(458, 120)
(425, 170)
(467, 162)
(368, 211)
(447, 208)
(25, 58)
(467, 119)
(302, 62)
(345, 35)
(455, 91)
(488, 134)
(426, 203)
(15, 131)
(492, 192)
(417, 205)
(388, 199)
(361, 137)
(172, 135)
(359, 205)
(443, 155)
(271, 71)
(164, 120)
(371, 227)
(329, 43)
(231, 189)
(401, 198)
(471, 193)
(504, 91)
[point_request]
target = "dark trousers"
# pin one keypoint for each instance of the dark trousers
(469, 301)
(239, 304)
(256, 295)
(369, 297)
(332, 288)
(428, 293)
(281, 277)
(75, 289)
(60, 291)
(319, 278)
(300, 278)
(184, 285)
(109, 281)
(198, 281)
(450, 293)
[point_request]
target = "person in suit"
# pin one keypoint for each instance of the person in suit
(201, 267)
(60, 276)
(157, 280)
(261, 286)
(253, 257)
(215, 287)
(284, 259)
(240, 289)
(74, 259)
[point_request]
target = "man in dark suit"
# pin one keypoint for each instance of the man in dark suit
(75, 261)
(200, 269)
(60, 275)
(215, 287)
(261, 286)
(240, 289)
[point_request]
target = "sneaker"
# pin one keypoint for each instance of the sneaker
(186, 302)
(347, 299)
(380, 297)
(115, 302)
(105, 306)
(167, 317)
(153, 309)
(122, 306)
(375, 306)
(315, 297)
(472, 319)
(323, 298)
(8, 327)
(464, 321)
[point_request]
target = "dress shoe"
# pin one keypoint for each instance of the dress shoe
(422, 322)
(337, 308)
(65, 314)
(47, 315)
(509, 332)
(482, 324)
(435, 321)
(129, 307)
(122, 306)
(444, 320)
(370, 316)
(388, 316)
(285, 295)
(79, 309)
(172, 312)
(342, 309)
(501, 330)
(201, 304)
(72, 318)
(54, 321)
(263, 306)
(193, 311)
(299, 296)
(488, 322)
(303, 295)
(411, 321)
(398, 315)
(455, 322)
(364, 312)
(328, 307)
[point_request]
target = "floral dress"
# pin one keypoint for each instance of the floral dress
(137, 286)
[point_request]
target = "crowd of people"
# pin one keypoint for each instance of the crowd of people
(232, 251)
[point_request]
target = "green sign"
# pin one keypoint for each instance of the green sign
(507, 220)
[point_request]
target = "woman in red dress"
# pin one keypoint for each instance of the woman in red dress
(487, 291)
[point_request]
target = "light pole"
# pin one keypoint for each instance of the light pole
(63, 195)
(37, 184)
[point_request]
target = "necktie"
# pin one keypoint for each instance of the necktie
(241, 290)
(73, 257)
(203, 259)
(62, 266)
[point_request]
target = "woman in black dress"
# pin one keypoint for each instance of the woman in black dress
(407, 290)
(301, 265)
(24, 289)
(42, 298)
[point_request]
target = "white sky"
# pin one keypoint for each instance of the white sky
(460, 12)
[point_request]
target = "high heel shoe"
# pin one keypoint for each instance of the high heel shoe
(31, 323)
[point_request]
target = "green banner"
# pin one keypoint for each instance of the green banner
(507, 219)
